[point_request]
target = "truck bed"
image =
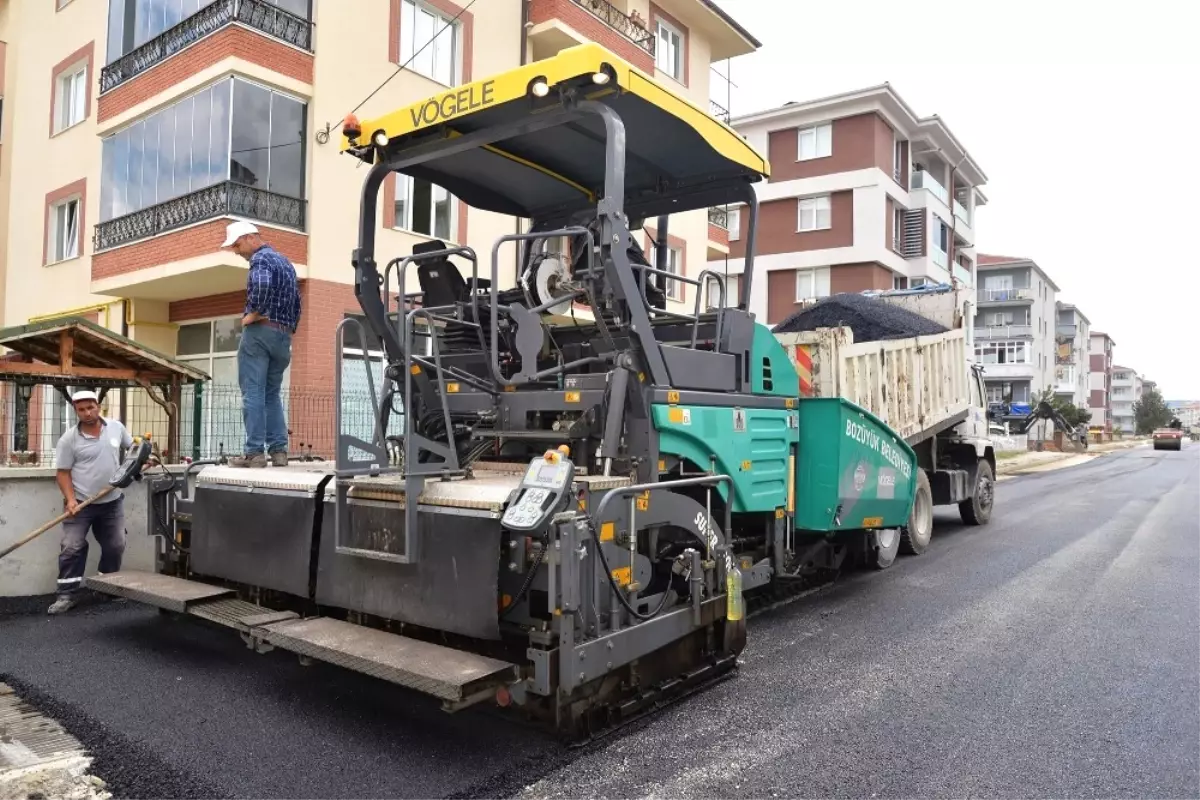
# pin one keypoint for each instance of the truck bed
(919, 386)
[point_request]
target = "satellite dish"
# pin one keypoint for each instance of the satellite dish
(551, 274)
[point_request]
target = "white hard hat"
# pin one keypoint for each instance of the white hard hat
(236, 230)
(85, 394)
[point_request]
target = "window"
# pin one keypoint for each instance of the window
(1002, 352)
(898, 158)
(64, 231)
(898, 228)
(733, 220)
(212, 346)
(70, 98)
(916, 283)
(814, 142)
(806, 285)
(424, 208)
(426, 46)
(197, 142)
(674, 266)
(668, 52)
(815, 214)
(995, 393)
(712, 293)
(899, 282)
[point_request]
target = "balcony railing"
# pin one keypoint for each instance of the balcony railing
(623, 24)
(923, 180)
(223, 199)
(961, 274)
(719, 111)
(1002, 331)
(1067, 331)
(719, 217)
(258, 14)
(1002, 295)
(938, 256)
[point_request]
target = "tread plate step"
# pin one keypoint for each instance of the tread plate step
(164, 591)
(446, 673)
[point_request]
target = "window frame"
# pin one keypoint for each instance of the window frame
(71, 94)
(55, 238)
(677, 71)
(675, 267)
(816, 209)
(442, 19)
(733, 223)
(815, 130)
(399, 181)
(811, 276)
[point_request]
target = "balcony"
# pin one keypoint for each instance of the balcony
(719, 217)
(719, 111)
(961, 212)
(227, 198)
(923, 180)
(259, 15)
(1066, 331)
(1008, 295)
(1003, 331)
(961, 274)
(558, 24)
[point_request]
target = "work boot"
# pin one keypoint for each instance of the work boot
(279, 458)
(61, 605)
(256, 461)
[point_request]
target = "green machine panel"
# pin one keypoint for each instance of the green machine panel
(751, 445)
(852, 471)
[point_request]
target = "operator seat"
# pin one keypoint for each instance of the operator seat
(441, 282)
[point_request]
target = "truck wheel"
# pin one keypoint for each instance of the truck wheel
(915, 536)
(977, 510)
(883, 545)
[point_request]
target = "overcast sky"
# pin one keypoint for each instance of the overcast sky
(1085, 117)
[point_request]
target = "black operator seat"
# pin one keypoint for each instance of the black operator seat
(441, 282)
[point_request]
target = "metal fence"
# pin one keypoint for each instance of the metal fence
(32, 418)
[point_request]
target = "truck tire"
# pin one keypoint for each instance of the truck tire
(977, 509)
(915, 536)
(883, 545)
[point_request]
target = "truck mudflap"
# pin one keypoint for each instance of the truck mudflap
(852, 471)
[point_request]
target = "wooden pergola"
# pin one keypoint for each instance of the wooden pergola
(75, 352)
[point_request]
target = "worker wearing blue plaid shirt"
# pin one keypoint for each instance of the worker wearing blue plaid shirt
(270, 318)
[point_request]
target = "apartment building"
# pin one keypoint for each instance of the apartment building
(1100, 353)
(1126, 390)
(1016, 325)
(864, 194)
(133, 130)
(1072, 367)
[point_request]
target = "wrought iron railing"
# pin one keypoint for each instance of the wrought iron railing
(223, 199)
(719, 111)
(623, 24)
(258, 14)
(719, 217)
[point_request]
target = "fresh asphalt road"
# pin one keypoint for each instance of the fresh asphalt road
(1055, 652)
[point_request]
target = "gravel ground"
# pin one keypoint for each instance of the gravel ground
(870, 319)
(1053, 653)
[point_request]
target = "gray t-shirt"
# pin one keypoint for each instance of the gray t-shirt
(93, 460)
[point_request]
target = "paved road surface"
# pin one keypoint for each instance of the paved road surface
(1054, 653)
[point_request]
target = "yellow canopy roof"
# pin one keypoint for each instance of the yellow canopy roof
(673, 150)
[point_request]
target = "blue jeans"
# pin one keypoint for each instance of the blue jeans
(263, 356)
(107, 522)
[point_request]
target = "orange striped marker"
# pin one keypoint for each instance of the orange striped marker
(804, 369)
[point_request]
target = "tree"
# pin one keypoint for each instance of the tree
(1151, 411)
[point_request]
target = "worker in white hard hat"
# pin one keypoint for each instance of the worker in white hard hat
(269, 320)
(86, 457)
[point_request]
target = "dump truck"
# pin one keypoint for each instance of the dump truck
(593, 483)
(925, 388)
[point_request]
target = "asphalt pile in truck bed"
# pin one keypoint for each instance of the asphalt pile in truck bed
(870, 319)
